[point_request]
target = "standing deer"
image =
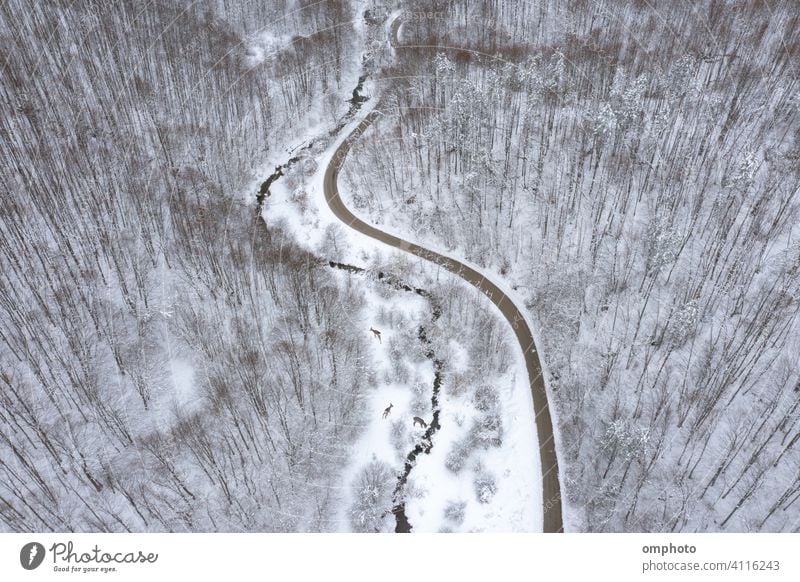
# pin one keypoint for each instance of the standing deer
(387, 410)
(422, 423)
(376, 333)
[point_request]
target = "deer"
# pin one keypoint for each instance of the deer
(422, 423)
(387, 410)
(376, 333)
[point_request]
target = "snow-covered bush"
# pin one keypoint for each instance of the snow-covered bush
(678, 80)
(457, 383)
(398, 434)
(684, 323)
(485, 486)
(664, 243)
(373, 497)
(486, 398)
(454, 511)
(420, 403)
(300, 198)
(397, 361)
(458, 455)
(308, 166)
(414, 490)
(630, 441)
(605, 122)
(487, 431)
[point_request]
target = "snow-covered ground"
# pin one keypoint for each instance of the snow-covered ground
(298, 203)
(517, 504)
(661, 279)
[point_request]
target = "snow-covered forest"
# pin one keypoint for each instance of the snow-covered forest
(633, 170)
(167, 362)
(186, 338)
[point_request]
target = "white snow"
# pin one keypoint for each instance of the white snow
(517, 505)
(182, 376)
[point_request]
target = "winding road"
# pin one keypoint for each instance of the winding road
(551, 488)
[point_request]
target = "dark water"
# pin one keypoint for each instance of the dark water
(425, 445)
(279, 171)
(355, 104)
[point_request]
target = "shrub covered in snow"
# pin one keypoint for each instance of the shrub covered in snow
(373, 497)
(487, 431)
(398, 434)
(458, 455)
(485, 486)
(454, 511)
(457, 383)
(486, 398)
(420, 403)
(397, 360)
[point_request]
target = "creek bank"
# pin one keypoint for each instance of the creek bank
(425, 444)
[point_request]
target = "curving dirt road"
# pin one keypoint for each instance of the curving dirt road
(551, 489)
